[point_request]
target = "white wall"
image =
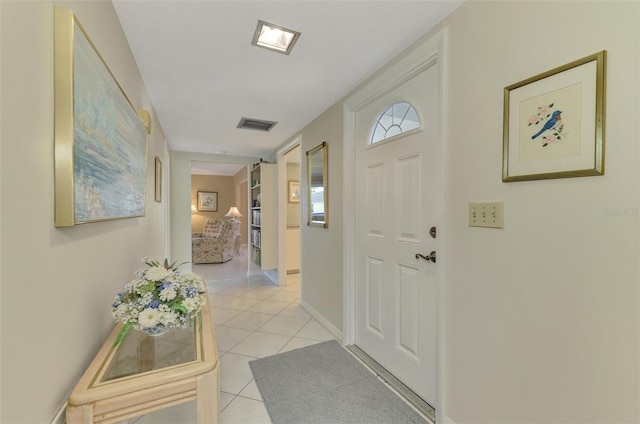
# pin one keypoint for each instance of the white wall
(241, 197)
(542, 317)
(321, 252)
(58, 283)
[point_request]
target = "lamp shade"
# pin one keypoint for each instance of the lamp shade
(233, 212)
(193, 209)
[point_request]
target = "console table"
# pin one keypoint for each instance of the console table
(144, 374)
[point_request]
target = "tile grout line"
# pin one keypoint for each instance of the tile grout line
(241, 294)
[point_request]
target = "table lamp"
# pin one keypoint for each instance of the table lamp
(233, 213)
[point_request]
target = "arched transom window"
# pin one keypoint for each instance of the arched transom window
(397, 118)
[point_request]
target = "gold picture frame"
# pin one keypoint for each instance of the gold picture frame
(100, 140)
(294, 191)
(554, 123)
(318, 186)
(158, 181)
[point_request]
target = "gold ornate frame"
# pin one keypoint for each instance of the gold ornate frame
(528, 149)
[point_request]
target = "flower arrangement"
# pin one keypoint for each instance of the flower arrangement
(160, 297)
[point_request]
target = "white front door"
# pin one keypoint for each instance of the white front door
(399, 197)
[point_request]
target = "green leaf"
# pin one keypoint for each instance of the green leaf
(179, 307)
(545, 145)
(123, 333)
(186, 262)
(150, 286)
(551, 105)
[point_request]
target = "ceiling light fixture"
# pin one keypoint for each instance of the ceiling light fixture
(274, 37)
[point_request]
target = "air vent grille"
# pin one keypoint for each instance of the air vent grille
(256, 124)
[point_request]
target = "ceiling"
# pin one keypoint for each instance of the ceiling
(203, 75)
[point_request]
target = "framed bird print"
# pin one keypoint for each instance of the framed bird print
(554, 123)
(207, 201)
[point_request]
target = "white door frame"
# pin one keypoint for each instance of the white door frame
(409, 65)
(282, 207)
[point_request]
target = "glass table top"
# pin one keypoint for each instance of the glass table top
(139, 353)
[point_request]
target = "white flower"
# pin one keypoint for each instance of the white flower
(144, 302)
(146, 298)
(190, 303)
(120, 311)
(193, 279)
(136, 285)
(157, 273)
(167, 294)
(149, 317)
(168, 318)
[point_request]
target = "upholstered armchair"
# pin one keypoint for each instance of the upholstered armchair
(216, 249)
(211, 228)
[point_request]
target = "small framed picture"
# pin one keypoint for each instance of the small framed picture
(554, 123)
(158, 179)
(207, 201)
(294, 191)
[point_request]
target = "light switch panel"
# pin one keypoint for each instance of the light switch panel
(486, 215)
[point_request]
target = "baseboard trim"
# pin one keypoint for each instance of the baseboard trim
(322, 320)
(60, 417)
(272, 275)
(447, 420)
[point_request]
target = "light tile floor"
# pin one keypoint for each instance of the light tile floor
(253, 318)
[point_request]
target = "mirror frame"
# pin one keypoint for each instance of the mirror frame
(320, 149)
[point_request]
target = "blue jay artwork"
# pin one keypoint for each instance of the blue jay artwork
(552, 129)
(550, 124)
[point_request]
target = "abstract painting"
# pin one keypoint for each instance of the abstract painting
(100, 141)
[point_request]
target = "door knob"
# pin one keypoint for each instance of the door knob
(430, 257)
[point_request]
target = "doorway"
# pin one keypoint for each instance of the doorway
(393, 305)
(290, 211)
(226, 187)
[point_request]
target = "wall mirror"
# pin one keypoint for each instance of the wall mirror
(318, 196)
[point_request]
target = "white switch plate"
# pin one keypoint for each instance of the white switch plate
(486, 215)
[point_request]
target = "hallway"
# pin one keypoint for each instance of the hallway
(253, 318)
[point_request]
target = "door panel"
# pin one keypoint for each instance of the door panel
(399, 191)
(375, 319)
(407, 310)
(374, 208)
(409, 198)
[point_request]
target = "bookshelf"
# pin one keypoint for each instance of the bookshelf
(263, 228)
